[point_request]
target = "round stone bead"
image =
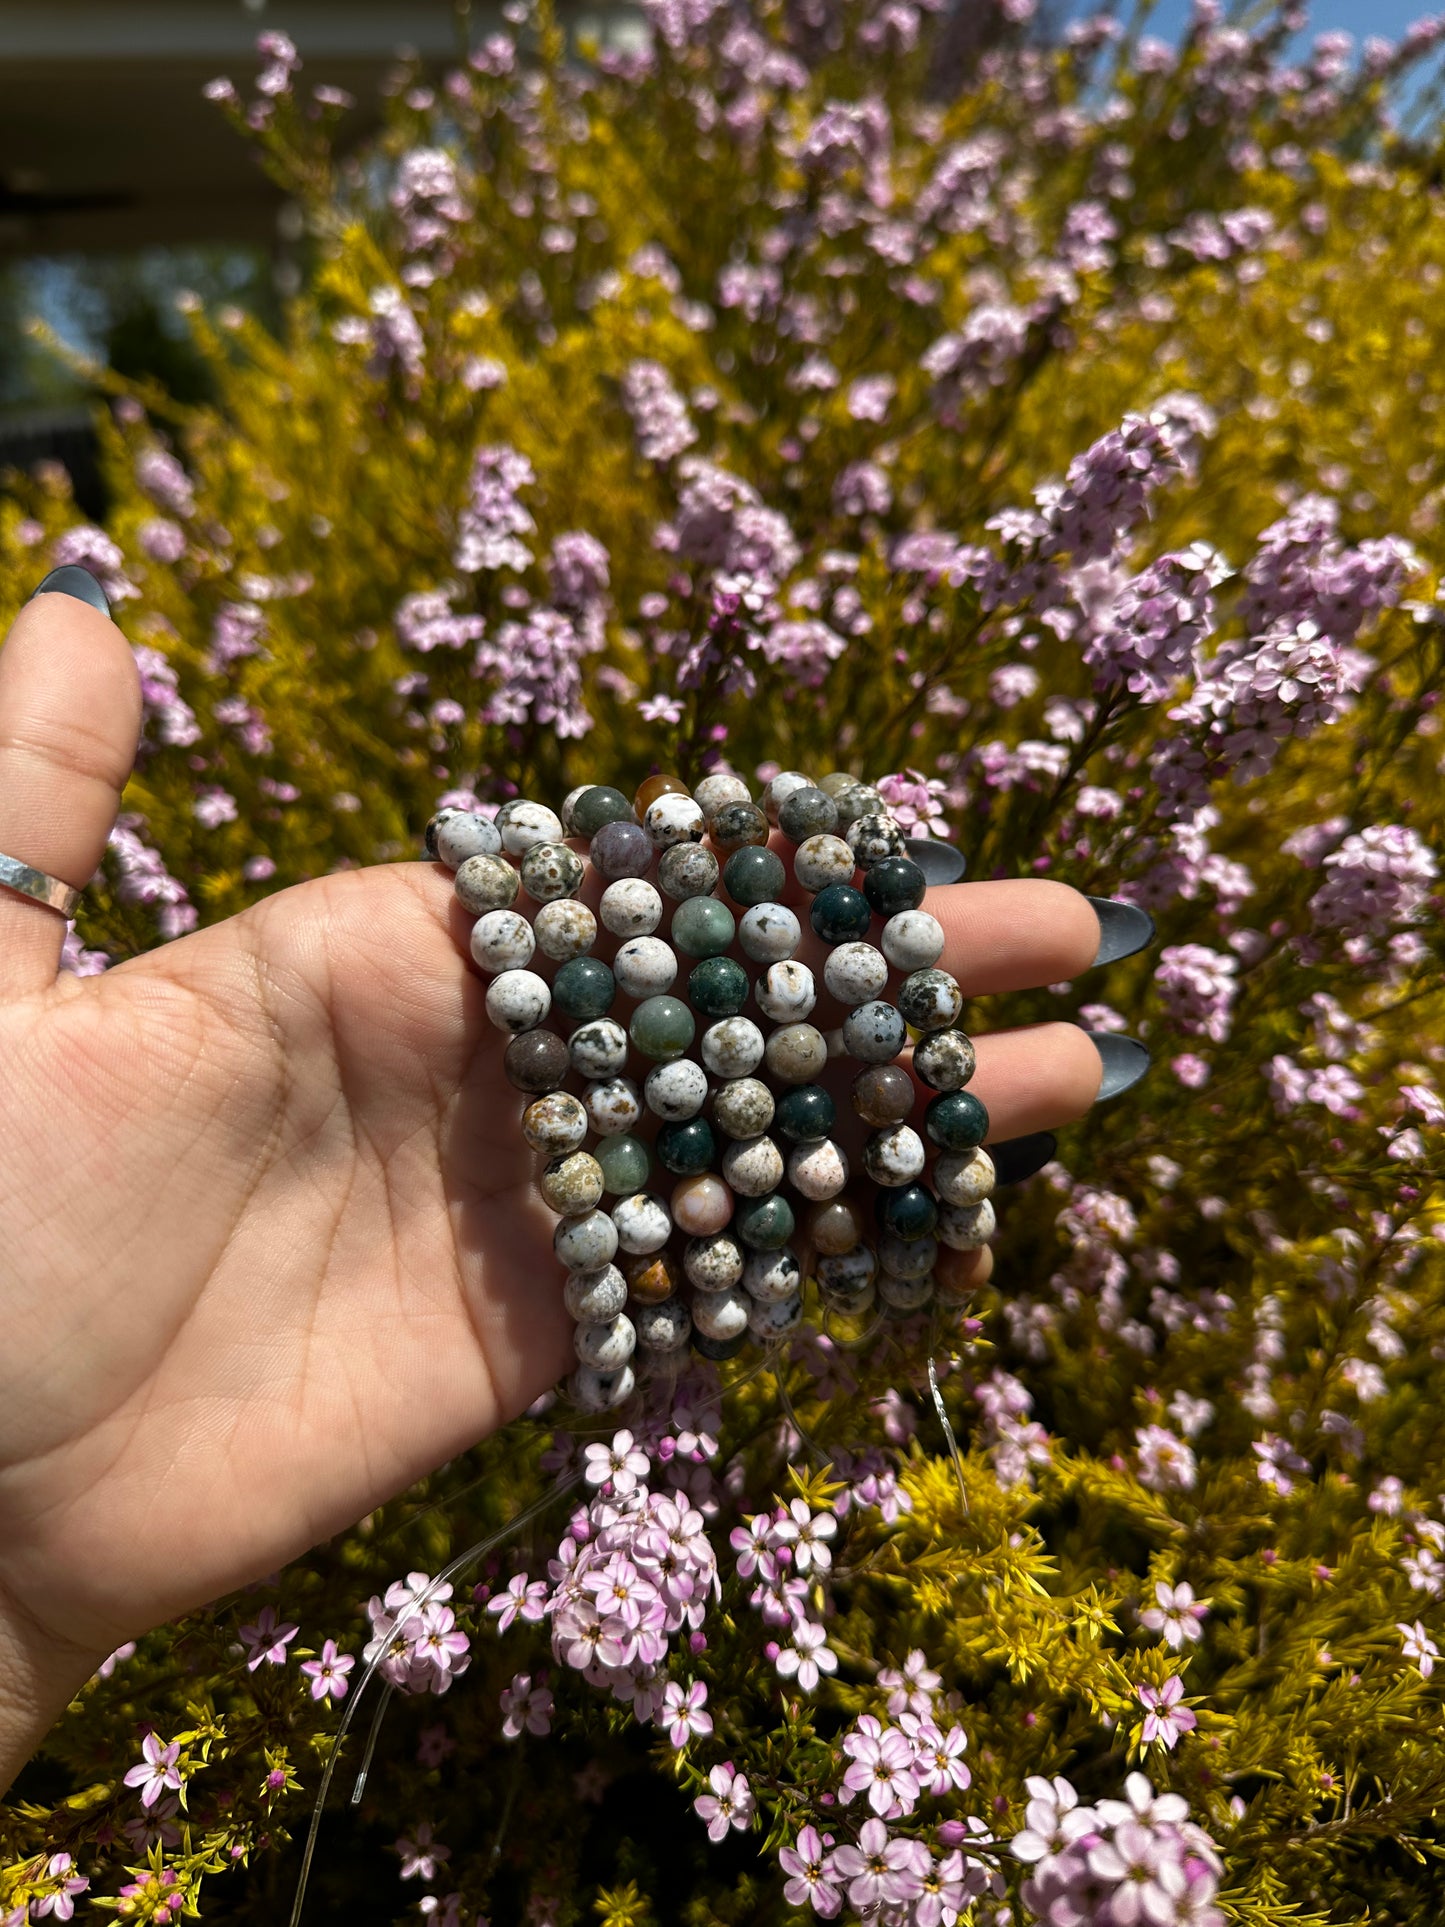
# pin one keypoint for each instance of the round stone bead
(651, 787)
(564, 929)
(907, 1257)
(743, 1108)
(786, 992)
(783, 785)
(964, 1177)
(687, 1148)
(598, 1049)
(677, 1090)
(846, 1274)
(769, 933)
(621, 850)
(895, 886)
(805, 813)
(594, 1391)
(861, 800)
(663, 1328)
(717, 987)
(771, 1276)
(769, 1323)
(702, 1206)
(833, 1227)
(822, 861)
(754, 876)
(874, 1033)
(796, 1053)
(630, 907)
(703, 927)
(764, 1224)
(454, 835)
(536, 1061)
(909, 1211)
(905, 1295)
(584, 988)
(597, 806)
(945, 1060)
(752, 1166)
(688, 870)
(855, 973)
(613, 1106)
(913, 940)
(673, 819)
(643, 1223)
(662, 1028)
(555, 1124)
(738, 826)
(956, 1121)
(840, 914)
(502, 940)
(876, 837)
(518, 999)
(836, 781)
(714, 1263)
(722, 1314)
(956, 1274)
(586, 1243)
(485, 883)
(644, 967)
(569, 808)
(895, 1155)
(732, 1048)
(807, 1111)
(930, 1000)
(606, 1347)
(883, 1094)
(625, 1163)
(523, 823)
(592, 1297)
(572, 1183)
(651, 1277)
(817, 1168)
(550, 871)
(967, 1227)
(717, 1349)
(720, 788)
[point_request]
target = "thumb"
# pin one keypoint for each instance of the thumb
(70, 717)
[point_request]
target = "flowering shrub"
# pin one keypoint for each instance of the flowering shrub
(1054, 426)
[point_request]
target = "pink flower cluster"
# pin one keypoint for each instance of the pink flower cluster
(415, 1633)
(1135, 1862)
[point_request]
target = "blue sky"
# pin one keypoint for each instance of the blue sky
(1359, 17)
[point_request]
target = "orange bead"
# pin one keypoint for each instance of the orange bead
(651, 1277)
(833, 1227)
(655, 786)
(702, 1205)
(956, 1272)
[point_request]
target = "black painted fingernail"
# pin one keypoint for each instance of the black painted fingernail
(939, 862)
(1018, 1158)
(1125, 1061)
(72, 580)
(1123, 928)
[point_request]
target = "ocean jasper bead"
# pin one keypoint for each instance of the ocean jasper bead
(550, 871)
(555, 1124)
(485, 883)
(855, 1305)
(905, 1295)
(738, 826)
(584, 988)
(720, 788)
(930, 1000)
(630, 907)
(594, 1391)
(956, 1121)
(717, 1349)
(786, 992)
(769, 1323)
(945, 1060)
(592, 1297)
(964, 1177)
(836, 781)
(771, 1276)
(502, 940)
(612, 1106)
(518, 1000)
(967, 1227)
(764, 1224)
(572, 1183)
(713, 1263)
(597, 806)
(722, 1314)
(662, 1028)
(805, 813)
(663, 1328)
(565, 929)
(910, 1211)
(796, 1053)
(687, 1148)
(861, 800)
(651, 787)
(769, 933)
(913, 940)
(845, 1274)
(524, 824)
(874, 1033)
(874, 838)
(651, 1277)
(822, 861)
(895, 886)
(743, 1108)
(754, 876)
(855, 973)
(883, 1094)
(586, 1243)
(625, 1163)
(677, 1090)
(732, 1048)
(643, 1223)
(807, 1111)
(833, 1227)
(687, 870)
(703, 927)
(598, 1049)
(454, 835)
(621, 850)
(536, 1061)
(702, 1206)
(907, 1257)
(673, 819)
(785, 784)
(606, 1347)
(840, 914)
(895, 1155)
(817, 1169)
(568, 811)
(752, 1166)
(644, 967)
(717, 987)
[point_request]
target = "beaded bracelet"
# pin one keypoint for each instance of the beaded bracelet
(746, 1252)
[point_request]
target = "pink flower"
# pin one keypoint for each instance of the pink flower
(912, 1690)
(328, 1673)
(809, 1866)
(421, 1856)
(521, 1600)
(108, 1665)
(267, 1640)
(752, 1544)
(682, 1708)
(730, 1804)
(938, 1757)
(620, 1463)
(526, 1707)
(877, 1869)
(60, 1905)
(883, 1767)
(1165, 1721)
(807, 1533)
(157, 1771)
(1177, 1616)
(807, 1657)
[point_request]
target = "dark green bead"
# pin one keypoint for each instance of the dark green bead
(763, 1224)
(583, 988)
(703, 927)
(956, 1121)
(894, 885)
(754, 876)
(840, 914)
(626, 1163)
(662, 1028)
(686, 1149)
(601, 804)
(807, 813)
(717, 1349)
(717, 987)
(806, 1111)
(908, 1210)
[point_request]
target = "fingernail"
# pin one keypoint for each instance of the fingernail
(72, 580)
(1018, 1158)
(1123, 928)
(1125, 1061)
(939, 862)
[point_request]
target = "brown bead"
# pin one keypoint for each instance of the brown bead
(883, 1094)
(833, 1227)
(651, 1277)
(655, 786)
(956, 1272)
(537, 1061)
(738, 826)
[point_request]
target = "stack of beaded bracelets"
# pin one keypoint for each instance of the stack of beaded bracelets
(745, 1252)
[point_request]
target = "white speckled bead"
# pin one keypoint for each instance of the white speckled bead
(855, 973)
(569, 803)
(644, 967)
(966, 1227)
(848, 1272)
(733, 1047)
(598, 1049)
(524, 823)
(714, 1263)
(592, 1297)
(664, 1327)
(906, 1294)
(913, 940)
(895, 1156)
(550, 872)
(796, 1053)
(676, 1091)
(964, 1177)
(930, 1000)
(722, 1314)
(874, 1033)
(821, 860)
(502, 940)
(851, 1304)
(485, 883)
(608, 1346)
(688, 870)
(785, 992)
(743, 1108)
(674, 819)
(554, 1125)
(752, 1166)
(458, 834)
(945, 1060)
(518, 1000)
(565, 929)
(817, 1168)
(613, 1105)
(594, 1391)
(630, 907)
(769, 933)
(770, 1322)
(771, 1276)
(907, 1257)
(861, 800)
(782, 787)
(643, 1222)
(721, 788)
(871, 838)
(586, 1243)
(572, 1182)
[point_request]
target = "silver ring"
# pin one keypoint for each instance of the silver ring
(27, 881)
